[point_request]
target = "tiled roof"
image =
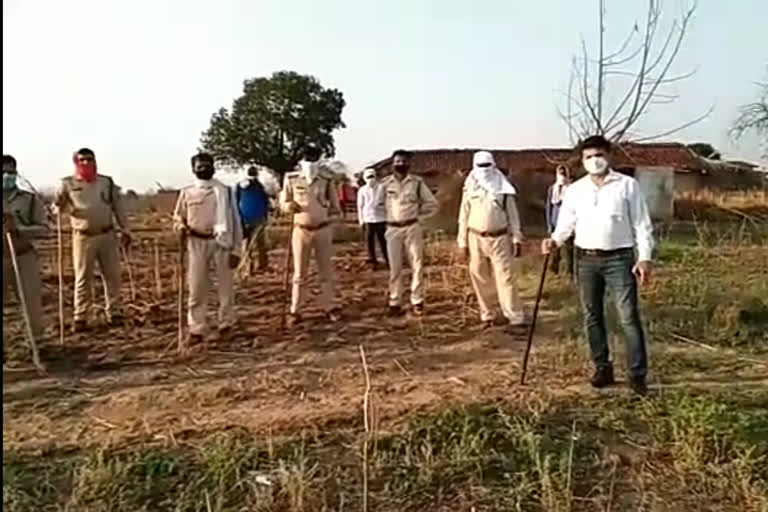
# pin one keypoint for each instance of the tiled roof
(520, 160)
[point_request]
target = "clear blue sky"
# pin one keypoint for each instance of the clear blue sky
(137, 80)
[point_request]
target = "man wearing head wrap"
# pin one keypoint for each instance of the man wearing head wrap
(24, 218)
(490, 237)
(372, 214)
(309, 194)
(408, 201)
(94, 204)
(207, 216)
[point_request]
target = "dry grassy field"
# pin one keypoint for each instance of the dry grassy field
(434, 418)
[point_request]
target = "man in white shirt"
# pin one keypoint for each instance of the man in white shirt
(372, 213)
(608, 214)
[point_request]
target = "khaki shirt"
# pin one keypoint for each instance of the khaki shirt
(27, 211)
(408, 199)
(196, 209)
(91, 206)
(483, 212)
(318, 200)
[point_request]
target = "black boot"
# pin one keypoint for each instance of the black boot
(603, 377)
(638, 385)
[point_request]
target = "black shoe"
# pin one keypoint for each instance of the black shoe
(488, 324)
(195, 339)
(638, 385)
(418, 309)
(80, 326)
(603, 377)
(116, 321)
(394, 311)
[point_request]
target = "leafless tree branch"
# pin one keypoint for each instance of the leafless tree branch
(594, 105)
(677, 129)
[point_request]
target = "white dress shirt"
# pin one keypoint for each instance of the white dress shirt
(607, 217)
(370, 203)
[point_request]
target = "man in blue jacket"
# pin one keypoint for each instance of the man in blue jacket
(253, 204)
(554, 202)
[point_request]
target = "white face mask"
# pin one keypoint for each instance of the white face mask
(595, 165)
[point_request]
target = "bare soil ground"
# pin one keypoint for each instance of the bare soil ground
(114, 386)
(127, 389)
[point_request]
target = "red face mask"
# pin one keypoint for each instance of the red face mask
(85, 170)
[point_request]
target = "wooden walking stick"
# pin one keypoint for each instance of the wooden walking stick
(286, 277)
(61, 277)
(23, 301)
(533, 320)
(182, 247)
(128, 264)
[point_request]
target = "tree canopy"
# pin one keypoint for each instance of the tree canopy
(274, 121)
(706, 150)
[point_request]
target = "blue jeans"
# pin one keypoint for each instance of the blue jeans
(596, 274)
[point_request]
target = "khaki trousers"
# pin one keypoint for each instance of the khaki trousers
(255, 235)
(86, 252)
(405, 242)
(202, 255)
(303, 242)
(29, 270)
(492, 272)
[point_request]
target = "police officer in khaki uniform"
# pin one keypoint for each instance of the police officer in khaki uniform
(24, 218)
(490, 237)
(94, 206)
(310, 195)
(207, 216)
(408, 201)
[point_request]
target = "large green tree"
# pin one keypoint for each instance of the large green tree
(274, 120)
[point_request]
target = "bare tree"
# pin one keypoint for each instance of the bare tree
(610, 94)
(753, 118)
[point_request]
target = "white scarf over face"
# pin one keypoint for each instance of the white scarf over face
(309, 170)
(227, 225)
(490, 178)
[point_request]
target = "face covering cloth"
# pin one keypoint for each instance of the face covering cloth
(490, 178)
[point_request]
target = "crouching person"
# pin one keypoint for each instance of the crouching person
(207, 219)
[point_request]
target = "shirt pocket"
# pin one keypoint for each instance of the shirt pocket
(196, 209)
(614, 210)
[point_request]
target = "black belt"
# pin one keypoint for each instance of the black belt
(200, 235)
(600, 253)
(403, 224)
(316, 227)
(489, 234)
(89, 232)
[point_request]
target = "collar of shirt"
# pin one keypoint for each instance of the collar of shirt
(610, 177)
